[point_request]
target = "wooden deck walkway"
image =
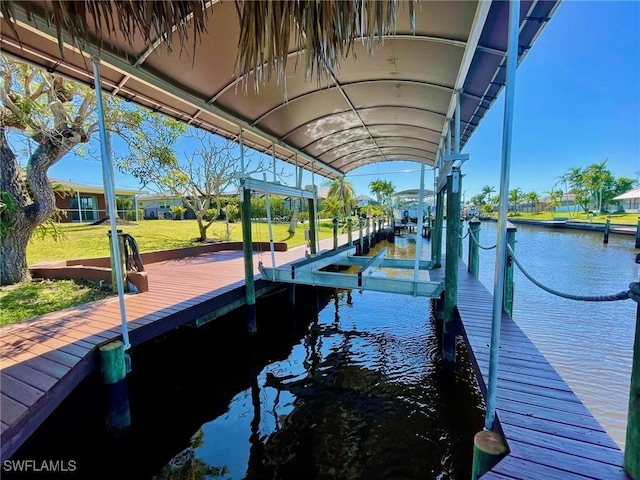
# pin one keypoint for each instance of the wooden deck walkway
(549, 431)
(43, 359)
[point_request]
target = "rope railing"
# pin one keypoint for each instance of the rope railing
(633, 292)
(466, 235)
(475, 239)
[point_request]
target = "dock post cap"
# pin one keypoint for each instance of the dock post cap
(488, 449)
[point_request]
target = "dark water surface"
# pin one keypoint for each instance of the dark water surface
(344, 386)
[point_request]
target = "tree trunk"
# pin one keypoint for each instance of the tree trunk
(13, 253)
(294, 217)
(202, 229)
(28, 210)
(18, 221)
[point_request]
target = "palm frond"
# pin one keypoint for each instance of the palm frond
(323, 32)
(149, 20)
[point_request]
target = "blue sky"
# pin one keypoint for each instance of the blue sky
(577, 103)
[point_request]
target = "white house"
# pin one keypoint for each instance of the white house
(157, 205)
(630, 200)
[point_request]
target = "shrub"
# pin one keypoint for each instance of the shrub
(177, 211)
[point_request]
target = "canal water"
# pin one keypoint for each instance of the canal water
(590, 344)
(346, 385)
(343, 386)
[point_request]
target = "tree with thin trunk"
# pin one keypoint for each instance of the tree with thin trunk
(52, 117)
(515, 197)
(343, 191)
(554, 199)
(532, 198)
(487, 190)
(200, 177)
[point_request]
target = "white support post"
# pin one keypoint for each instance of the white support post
(448, 149)
(107, 173)
(79, 206)
(241, 153)
(273, 161)
(501, 249)
(268, 205)
(457, 122)
(416, 266)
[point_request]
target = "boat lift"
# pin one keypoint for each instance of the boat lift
(310, 272)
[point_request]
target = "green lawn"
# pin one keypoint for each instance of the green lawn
(621, 218)
(87, 241)
(29, 299)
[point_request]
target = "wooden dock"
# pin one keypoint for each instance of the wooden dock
(43, 359)
(549, 432)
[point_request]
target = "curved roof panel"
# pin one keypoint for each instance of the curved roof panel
(393, 104)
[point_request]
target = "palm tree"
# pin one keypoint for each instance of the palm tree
(343, 191)
(382, 189)
(515, 196)
(487, 190)
(554, 199)
(533, 197)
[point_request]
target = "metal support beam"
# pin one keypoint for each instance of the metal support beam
(419, 226)
(268, 206)
(501, 248)
(109, 189)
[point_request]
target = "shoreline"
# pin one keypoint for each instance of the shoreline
(618, 228)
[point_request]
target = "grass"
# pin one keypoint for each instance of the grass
(87, 241)
(30, 299)
(620, 218)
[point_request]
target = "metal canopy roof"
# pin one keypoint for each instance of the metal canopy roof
(394, 104)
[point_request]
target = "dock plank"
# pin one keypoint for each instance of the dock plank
(549, 431)
(51, 353)
(21, 392)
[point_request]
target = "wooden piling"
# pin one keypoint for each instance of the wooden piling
(632, 440)
(607, 227)
(474, 247)
(436, 242)
(488, 449)
(451, 271)
(123, 263)
(350, 230)
(114, 373)
(460, 245)
(361, 239)
(247, 250)
(507, 298)
(313, 244)
(335, 233)
(638, 234)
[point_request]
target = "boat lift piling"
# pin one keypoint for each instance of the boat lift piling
(451, 269)
(473, 264)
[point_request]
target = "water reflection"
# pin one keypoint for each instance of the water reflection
(358, 397)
